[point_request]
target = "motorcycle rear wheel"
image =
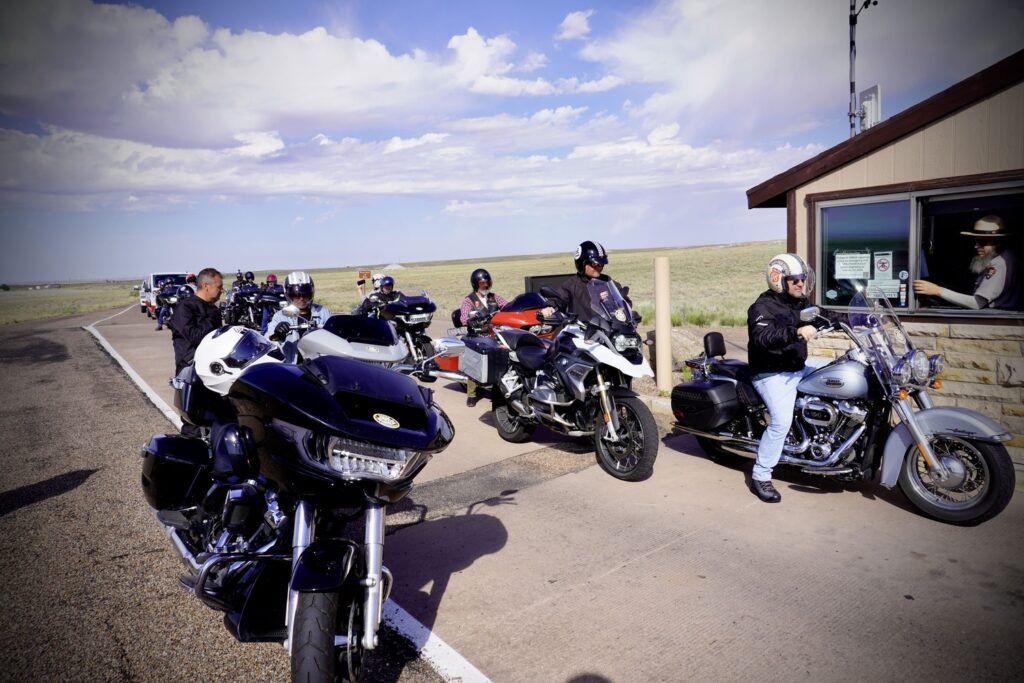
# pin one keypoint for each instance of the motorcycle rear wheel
(631, 458)
(982, 488)
(511, 427)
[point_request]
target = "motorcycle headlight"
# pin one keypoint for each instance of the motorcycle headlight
(358, 460)
(936, 365)
(417, 318)
(172, 299)
(901, 373)
(624, 342)
(919, 366)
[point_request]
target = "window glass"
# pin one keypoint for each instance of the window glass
(865, 245)
(972, 265)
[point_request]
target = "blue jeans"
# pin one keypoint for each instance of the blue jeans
(778, 392)
(160, 316)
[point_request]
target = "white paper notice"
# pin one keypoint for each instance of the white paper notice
(889, 288)
(853, 265)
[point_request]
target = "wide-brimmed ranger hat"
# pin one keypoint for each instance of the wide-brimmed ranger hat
(989, 227)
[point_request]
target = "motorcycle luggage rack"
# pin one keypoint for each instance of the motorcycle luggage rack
(199, 587)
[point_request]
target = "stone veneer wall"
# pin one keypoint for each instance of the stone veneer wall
(984, 371)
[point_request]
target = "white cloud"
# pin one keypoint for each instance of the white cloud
(575, 26)
(397, 144)
(258, 144)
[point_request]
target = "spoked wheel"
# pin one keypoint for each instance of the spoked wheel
(511, 427)
(631, 458)
(979, 483)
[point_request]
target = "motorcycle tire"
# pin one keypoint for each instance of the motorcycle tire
(632, 457)
(716, 453)
(980, 494)
(314, 659)
(510, 426)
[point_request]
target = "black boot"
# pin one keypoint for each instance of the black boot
(765, 491)
(471, 401)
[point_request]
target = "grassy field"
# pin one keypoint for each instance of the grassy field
(711, 286)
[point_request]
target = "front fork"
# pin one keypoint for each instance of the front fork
(905, 410)
(608, 413)
(302, 535)
(413, 349)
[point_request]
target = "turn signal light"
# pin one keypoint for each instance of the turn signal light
(936, 383)
(902, 394)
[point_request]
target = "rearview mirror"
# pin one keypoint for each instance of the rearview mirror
(291, 310)
(548, 292)
(810, 313)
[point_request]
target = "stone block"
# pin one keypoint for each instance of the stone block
(970, 361)
(981, 392)
(1011, 409)
(990, 332)
(1010, 372)
(1017, 456)
(940, 400)
(986, 408)
(963, 375)
(924, 343)
(1016, 442)
(927, 330)
(1013, 423)
(979, 346)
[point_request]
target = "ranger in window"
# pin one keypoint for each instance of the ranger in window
(995, 267)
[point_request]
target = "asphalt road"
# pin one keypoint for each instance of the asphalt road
(535, 566)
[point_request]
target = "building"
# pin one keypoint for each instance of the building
(889, 207)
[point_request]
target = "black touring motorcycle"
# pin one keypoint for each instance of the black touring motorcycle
(265, 509)
(950, 462)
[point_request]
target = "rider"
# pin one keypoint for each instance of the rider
(190, 285)
(777, 351)
(271, 288)
(572, 295)
(377, 300)
(166, 288)
(298, 288)
(480, 299)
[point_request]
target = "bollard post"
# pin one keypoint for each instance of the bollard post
(662, 324)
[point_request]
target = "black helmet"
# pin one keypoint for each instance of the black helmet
(478, 276)
(387, 281)
(238, 275)
(249, 277)
(589, 252)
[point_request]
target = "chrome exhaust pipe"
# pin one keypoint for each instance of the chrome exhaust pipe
(446, 374)
(833, 459)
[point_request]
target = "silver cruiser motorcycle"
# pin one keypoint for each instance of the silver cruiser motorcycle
(950, 462)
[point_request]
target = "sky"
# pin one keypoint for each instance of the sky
(281, 135)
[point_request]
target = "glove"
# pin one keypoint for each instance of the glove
(281, 331)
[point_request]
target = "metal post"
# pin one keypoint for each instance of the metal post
(662, 323)
(853, 59)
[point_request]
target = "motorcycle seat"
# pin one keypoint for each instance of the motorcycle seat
(739, 371)
(531, 350)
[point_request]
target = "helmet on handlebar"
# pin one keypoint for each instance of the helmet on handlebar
(589, 252)
(785, 267)
(271, 279)
(479, 275)
(298, 283)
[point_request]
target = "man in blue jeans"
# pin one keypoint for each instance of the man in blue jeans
(777, 352)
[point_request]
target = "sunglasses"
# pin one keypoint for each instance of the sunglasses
(796, 278)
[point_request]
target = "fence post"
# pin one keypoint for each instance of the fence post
(662, 324)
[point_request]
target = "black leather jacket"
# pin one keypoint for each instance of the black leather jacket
(572, 296)
(192, 320)
(773, 344)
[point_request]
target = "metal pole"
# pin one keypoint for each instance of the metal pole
(853, 59)
(662, 324)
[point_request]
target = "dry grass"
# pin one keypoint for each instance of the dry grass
(710, 285)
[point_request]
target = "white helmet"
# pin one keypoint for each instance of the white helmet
(298, 283)
(377, 277)
(788, 265)
(226, 352)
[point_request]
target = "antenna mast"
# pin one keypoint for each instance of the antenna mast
(855, 112)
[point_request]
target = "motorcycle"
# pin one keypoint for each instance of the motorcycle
(370, 340)
(411, 316)
(245, 308)
(950, 462)
(265, 510)
(578, 384)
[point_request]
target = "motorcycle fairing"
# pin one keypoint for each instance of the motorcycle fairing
(945, 420)
(408, 305)
(606, 356)
(525, 302)
(343, 396)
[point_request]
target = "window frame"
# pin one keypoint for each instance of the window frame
(913, 193)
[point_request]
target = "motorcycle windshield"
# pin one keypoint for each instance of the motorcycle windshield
(878, 330)
(608, 308)
(359, 329)
(250, 346)
(525, 302)
(406, 305)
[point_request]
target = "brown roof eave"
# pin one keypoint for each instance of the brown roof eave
(998, 77)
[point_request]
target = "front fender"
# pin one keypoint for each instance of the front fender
(324, 566)
(950, 421)
(602, 354)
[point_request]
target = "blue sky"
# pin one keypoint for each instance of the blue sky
(180, 134)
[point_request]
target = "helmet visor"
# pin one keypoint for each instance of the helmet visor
(304, 290)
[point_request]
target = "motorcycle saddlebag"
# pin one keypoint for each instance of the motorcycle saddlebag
(484, 359)
(704, 405)
(175, 471)
(194, 402)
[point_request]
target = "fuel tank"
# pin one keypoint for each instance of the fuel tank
(846, 379)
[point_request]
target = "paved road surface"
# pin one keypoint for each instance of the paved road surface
(532, 563)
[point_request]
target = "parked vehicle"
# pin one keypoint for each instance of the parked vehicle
(950, 462)
(578, 384)
(150, 289)
(266, 510)
(245, 307)
(411, 316)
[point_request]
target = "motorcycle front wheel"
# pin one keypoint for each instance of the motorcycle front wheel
(631, 458)
(979, 485)
(313, 655)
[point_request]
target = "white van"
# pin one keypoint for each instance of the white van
(147, 294)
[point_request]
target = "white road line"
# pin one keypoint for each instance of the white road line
(448, 663)
(101, 320)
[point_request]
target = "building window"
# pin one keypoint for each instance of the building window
(886, 243)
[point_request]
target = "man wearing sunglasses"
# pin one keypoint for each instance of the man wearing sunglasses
(777, 353)
(572, 296)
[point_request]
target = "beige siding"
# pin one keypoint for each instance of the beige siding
(984, 138)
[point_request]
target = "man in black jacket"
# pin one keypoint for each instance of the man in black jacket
(777, 352)
(195, 317)
(572, 296)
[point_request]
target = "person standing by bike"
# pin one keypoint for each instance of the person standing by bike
(195, 317)
(572, 296)
(299, 289)
(481, 299)
(777, 352)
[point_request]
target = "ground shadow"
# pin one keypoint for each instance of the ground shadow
(34, 350)
(49, 488)
(546, 437)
